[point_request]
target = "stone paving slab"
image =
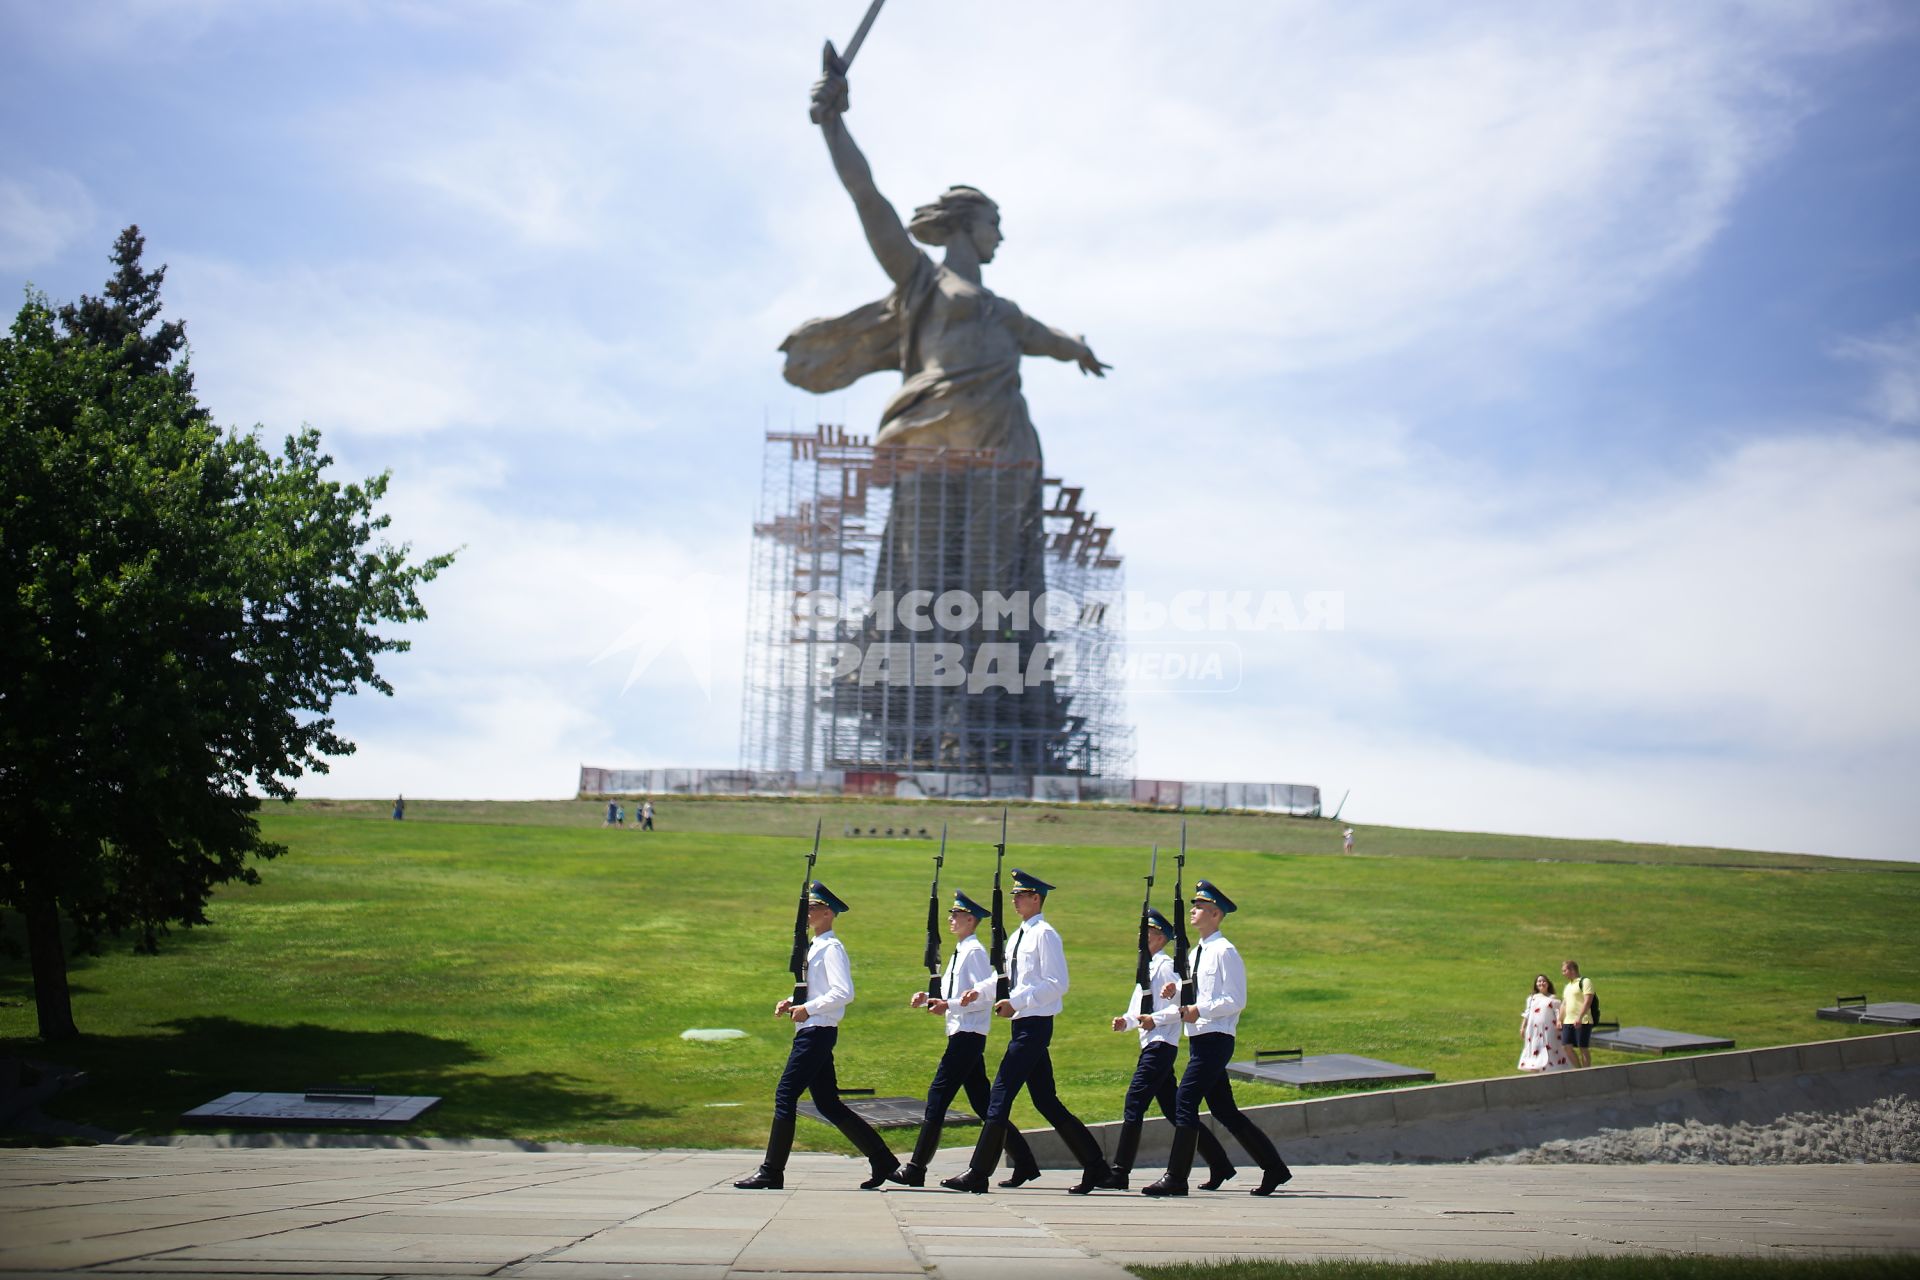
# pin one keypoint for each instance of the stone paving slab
(232, 1213)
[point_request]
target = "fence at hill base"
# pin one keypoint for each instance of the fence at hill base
(1294, 799)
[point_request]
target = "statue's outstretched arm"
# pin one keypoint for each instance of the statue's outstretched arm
(890, 242)
(1038, 339)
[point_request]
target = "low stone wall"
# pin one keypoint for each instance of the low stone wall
(1474, 1119)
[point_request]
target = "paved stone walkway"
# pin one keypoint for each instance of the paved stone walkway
(131, 1211)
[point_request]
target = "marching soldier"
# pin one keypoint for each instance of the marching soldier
(1220, 997)
(1153, 1077)
(810, 1061)
(965, 998)
(1037, 987)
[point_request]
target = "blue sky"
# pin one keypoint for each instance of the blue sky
(1577, 347)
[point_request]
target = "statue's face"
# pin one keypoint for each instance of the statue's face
(985, 229)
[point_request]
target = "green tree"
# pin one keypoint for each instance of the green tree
(179, 607)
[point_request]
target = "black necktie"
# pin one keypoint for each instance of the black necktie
(1193, 962)
(1013, 959)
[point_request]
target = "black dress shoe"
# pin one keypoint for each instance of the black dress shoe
(909, 1175)
(1118, 1180)
(1165, 1187)
(1088, 1184)
(1216, 1177)
(877, 1178)
(968, 1181)
(1269, 1180)
(1019, 1177)
(762, 1181)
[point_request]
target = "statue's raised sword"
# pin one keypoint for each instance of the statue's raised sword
(836, 64)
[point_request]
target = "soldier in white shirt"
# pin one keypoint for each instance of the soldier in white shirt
(1153, 1077)
(965, 999)
(1036, 989)
(1220, 997)
(810, 1061)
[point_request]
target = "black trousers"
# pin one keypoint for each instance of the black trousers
(1153, 1082)
(964, 1066)
(1027, 1065)
(1206, 1080)
(810, 1071)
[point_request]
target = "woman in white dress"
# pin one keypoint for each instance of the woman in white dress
(1540, 1048)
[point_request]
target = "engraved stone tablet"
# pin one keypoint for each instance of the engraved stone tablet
(327, 1106)
(1326, 1068)
(1885, 1013)
(1655, 1040)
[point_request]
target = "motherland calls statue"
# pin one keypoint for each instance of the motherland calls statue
(973, 528)
(957, 343)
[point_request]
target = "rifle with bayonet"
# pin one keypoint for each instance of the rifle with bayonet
(1180, 922)
(932, 957)
(999, 953)
(798, 961)
(1143, 974)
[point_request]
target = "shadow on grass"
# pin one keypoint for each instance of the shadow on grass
(16, 970)
(142, 1083)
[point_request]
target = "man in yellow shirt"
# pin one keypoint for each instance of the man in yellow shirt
(1576, 1014)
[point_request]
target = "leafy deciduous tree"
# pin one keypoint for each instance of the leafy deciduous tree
(179, 607)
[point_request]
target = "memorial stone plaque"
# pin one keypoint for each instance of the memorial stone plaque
(327, 1105)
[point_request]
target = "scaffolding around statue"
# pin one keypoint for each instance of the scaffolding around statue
(939, 610)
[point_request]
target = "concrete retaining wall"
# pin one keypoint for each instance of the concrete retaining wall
(1472, 1119)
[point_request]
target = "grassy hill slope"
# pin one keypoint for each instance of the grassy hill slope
(536, 969)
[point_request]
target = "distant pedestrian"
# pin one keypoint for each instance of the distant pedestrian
(613, 811)
(399, 808)
(1540, 1047)
(1346, 841)
(646, 816)
(1580, 1010)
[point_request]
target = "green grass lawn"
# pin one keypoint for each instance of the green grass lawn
(536, 970)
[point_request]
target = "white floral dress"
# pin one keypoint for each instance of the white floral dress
(1543, 1051)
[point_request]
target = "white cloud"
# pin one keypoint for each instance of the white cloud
(41, 214)
(1893, 355)
(507, 689)
(1777, 800)
(1708, 632)
(388, 350)
(576, 221)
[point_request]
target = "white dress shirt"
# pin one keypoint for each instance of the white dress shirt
(969, 970)
(829, 981)
(1219, 988)
(1160, 972)
(1037, 962)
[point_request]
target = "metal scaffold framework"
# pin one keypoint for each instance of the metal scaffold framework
(938, 610)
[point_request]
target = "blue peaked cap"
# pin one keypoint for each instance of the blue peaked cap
(817, 892)
(1207, 891)
(1022, 880)
(1159, 921)
(961, 902)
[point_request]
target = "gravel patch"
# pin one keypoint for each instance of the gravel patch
(1886, 1131)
